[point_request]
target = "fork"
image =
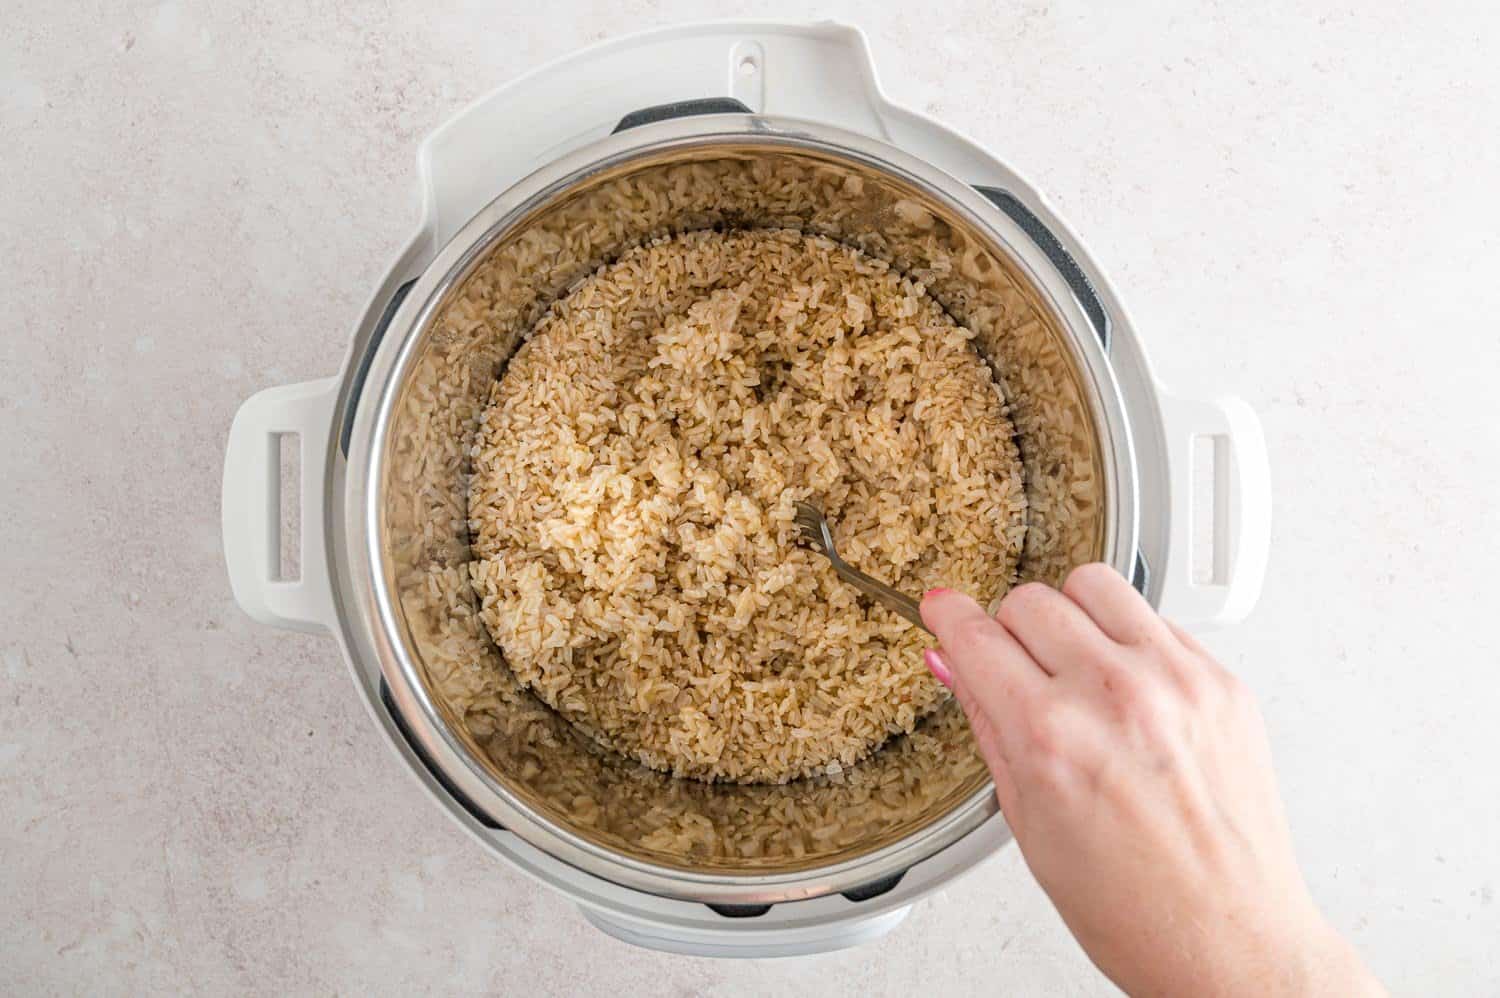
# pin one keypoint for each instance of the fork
(813, 526)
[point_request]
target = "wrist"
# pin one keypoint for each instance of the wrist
(1326, 964)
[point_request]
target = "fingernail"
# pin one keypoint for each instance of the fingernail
(933, 592)
(938, 667)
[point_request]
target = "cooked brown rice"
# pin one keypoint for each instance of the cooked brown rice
(633, 478)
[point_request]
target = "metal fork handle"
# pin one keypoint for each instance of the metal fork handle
(883, 594)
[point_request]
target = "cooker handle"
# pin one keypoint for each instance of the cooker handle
(1241, 510)
(820, 71)
(252, 507)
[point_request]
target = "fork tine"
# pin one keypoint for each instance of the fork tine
(815, 529)
(812, 524)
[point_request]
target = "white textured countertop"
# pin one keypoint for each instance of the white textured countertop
(1299, 205)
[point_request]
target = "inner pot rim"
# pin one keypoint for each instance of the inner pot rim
(371, 576)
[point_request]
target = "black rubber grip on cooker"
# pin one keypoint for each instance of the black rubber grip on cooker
(362, 369)
(443, 781)
(1140, 577)
(863, 892)
(874, 888)
(740, 910)
(1078, 281)
(681, 109)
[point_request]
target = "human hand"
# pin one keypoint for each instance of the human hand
(1135, 773)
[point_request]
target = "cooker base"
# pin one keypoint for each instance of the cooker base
(745, 939)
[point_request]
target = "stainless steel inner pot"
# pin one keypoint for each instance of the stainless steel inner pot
(498, 750)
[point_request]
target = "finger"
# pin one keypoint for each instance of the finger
(1056, 632)
(1189, 642)
(1199, 664)
(975, 644)
(1115, 606)
(985, 661)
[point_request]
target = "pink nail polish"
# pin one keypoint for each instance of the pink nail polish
(934, 592)
(938, 667)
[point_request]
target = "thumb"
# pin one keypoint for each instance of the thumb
(989, 672)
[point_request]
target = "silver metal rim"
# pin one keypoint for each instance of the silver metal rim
(368, 601)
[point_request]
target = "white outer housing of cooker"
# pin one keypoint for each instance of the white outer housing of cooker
(822, 72)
